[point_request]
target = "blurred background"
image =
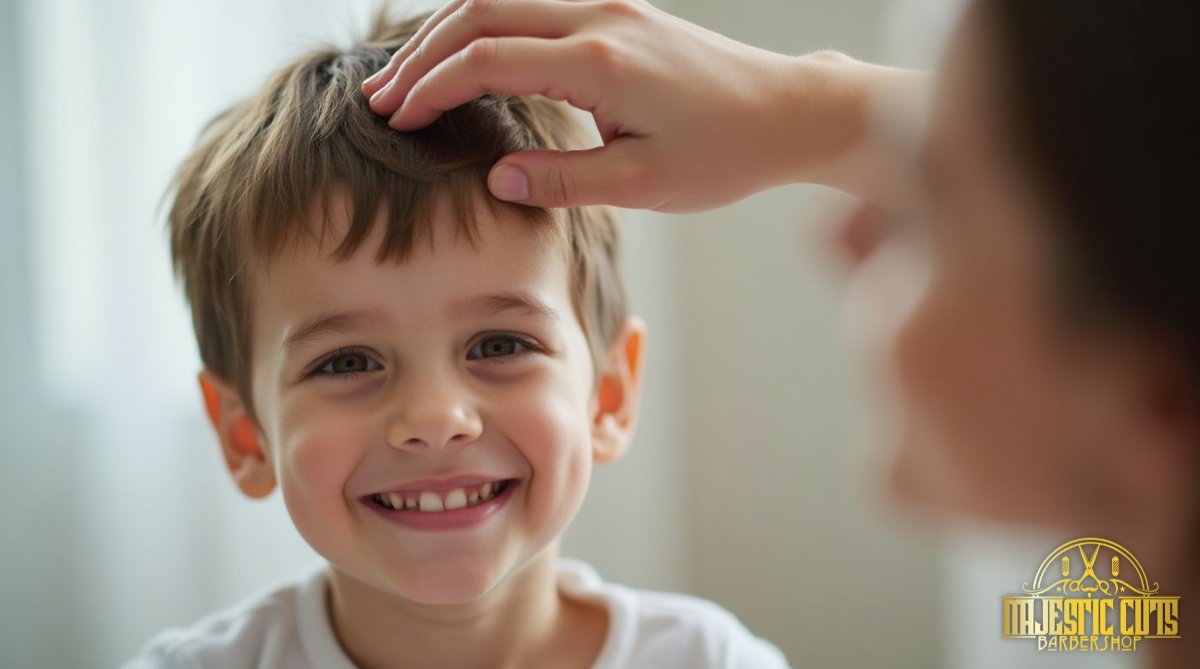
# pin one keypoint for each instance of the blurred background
(749, 482)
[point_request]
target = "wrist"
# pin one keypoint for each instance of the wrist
(822, 118)
(819, 115)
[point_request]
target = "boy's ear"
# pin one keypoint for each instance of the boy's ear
(617, 393)
(240, 443)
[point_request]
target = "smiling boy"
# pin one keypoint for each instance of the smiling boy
(427, 375)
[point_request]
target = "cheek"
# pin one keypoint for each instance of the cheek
(982, 393)
(313, 463)
(953, 361)
(547, 420)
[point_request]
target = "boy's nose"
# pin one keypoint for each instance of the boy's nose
(433, 417)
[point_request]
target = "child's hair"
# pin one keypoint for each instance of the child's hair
(262, 166)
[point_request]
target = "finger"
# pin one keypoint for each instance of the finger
(611, 174)
(473, 20)
(555, 68)
(377, 80)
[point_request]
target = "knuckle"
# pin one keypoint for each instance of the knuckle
(473, 9)
(416, 55)
(619, 8)
(603, 52)
(829, 56)
(560, 187)
(481, 51)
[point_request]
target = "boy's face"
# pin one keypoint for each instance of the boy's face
(460, 376)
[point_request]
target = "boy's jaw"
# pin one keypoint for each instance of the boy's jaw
(458, 502)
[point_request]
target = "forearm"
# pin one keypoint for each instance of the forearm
(826, 132)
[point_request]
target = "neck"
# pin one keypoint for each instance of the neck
(1164, 538)
(1179, 578)
(516, 624)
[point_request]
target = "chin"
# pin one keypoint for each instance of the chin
(923, 478)
(445, 583)
(908, 484)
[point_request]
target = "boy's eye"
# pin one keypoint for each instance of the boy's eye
(499, 346)
(348, 363)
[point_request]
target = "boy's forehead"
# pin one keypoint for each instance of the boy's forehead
(325, 226)
(509, 261)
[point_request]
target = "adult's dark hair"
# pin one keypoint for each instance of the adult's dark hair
(1103, 100)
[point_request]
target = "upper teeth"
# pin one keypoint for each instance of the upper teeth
(431, 502)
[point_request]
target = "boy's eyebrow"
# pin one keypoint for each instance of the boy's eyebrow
(496, 303)
(329, 322)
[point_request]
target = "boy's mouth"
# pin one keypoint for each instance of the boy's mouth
(429, 501)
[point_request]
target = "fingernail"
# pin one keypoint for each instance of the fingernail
(509, 183)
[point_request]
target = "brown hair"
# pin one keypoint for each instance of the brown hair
(1102, 106)
(261, 166)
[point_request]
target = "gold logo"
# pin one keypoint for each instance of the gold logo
(1081, 611)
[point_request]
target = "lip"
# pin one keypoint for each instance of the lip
(457, 519)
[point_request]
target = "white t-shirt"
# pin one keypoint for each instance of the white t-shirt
(287, 628)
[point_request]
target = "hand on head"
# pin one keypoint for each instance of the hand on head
(689, 119)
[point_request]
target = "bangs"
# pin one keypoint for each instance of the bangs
(311, 132)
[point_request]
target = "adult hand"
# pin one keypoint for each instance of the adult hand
(689, 119)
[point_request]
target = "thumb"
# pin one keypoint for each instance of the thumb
(550, 178)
